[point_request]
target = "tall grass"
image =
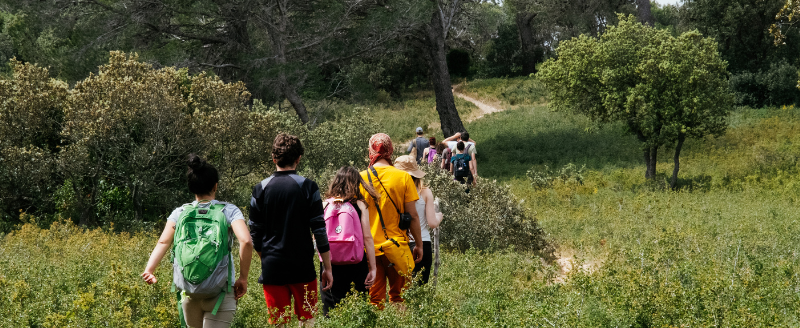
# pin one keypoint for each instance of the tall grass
(505, 92)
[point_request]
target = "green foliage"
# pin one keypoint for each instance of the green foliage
(741, 28)
(31, 112)
(568, 175)
(504, 57)
(661, 87)
(488, 217)
(773, 87)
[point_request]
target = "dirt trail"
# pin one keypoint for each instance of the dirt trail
(484, 107)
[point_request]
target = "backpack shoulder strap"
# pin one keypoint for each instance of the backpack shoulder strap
(377, 206)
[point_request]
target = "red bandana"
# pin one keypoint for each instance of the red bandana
(380, 147)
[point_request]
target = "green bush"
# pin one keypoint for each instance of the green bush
(489, 217)
(568, 174)
(775, 86)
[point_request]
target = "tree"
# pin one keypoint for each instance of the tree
(279, 48)
(644, 13)
(663, 88)
(741, 28)
(31, 112)
(431, 39)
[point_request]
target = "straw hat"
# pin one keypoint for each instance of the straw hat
(409, 164)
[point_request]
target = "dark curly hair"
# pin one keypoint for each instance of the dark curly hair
(287, 149)
(201, 176)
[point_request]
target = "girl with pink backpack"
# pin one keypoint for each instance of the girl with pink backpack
(349, 236)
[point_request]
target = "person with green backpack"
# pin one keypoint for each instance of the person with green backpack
(200, 235)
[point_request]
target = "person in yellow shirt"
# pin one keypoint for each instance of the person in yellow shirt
(396, 189)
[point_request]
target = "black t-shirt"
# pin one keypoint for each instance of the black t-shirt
(284, 210)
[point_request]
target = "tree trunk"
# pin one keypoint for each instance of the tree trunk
(528, 42)
(291, 94)
(137, 202)
(436, 55)
(674, 182)
(277, 31)
(650, 159)
(645, 14)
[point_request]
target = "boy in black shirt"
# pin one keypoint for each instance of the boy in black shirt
(283, 209)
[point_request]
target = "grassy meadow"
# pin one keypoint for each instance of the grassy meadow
(722, 251)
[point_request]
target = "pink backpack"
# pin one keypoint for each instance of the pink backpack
(344, 232)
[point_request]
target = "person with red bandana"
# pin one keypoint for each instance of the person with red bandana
(397, 189)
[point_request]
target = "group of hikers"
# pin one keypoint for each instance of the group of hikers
(372, 232)
(455, 154)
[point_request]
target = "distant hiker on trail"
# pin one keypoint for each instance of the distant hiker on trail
(285, 209)
(390, 218)
(462, 164)
(206, 298)
(352, 247)
(418, 145)
(447, 154)
(428, 218)
(430, 153)
(470, 149)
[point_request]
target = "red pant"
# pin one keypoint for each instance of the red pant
(279, 298)
(397, 283)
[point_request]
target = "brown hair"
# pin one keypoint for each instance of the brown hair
(345, 185)
(440, 148)
(432, 141)
(287, 149)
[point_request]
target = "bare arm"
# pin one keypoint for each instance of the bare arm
(369, 243)
(326, 278)
(245, 256)
(425, 153)
(163, 245)
(416, 231)
(453, 137)
(430, 209)
(473, 166)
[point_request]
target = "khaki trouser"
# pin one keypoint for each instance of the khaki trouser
(197, 312)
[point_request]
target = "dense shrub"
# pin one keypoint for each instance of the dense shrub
(112, 150)
(772, 87)
(489, 217)
(31, 113)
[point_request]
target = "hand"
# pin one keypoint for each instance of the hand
(418, 253)
(149, 278)
(239, 288)
(370, 278)
(326, 279)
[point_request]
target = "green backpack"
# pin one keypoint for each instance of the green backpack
(201, 257)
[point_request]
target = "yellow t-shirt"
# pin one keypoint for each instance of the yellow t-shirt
(402, 190)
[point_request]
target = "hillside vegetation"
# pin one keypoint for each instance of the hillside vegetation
(721, 251)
